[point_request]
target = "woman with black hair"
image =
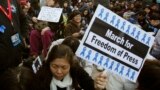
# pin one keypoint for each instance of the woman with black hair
(60, 72)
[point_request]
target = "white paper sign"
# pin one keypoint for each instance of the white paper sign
(50, 14)
(115, 44)
(37, 63)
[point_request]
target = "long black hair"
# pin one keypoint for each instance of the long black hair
(44, 75)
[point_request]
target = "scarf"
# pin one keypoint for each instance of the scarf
(66, 83)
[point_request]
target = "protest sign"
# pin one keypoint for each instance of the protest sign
(37, 63)
(115, 44)
(50, 14)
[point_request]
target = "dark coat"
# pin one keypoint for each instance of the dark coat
(81, 79)
(10, 55)
(71, 28)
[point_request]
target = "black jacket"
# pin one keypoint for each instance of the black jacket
(81, 79)
(10, 55)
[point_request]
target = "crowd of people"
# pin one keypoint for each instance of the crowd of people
(23, 38)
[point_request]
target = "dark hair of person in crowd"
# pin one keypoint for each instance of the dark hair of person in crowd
(87, 14)
(61, 2)
(147, 9)
(23, 3)
(154, 7)
(154, 19)
(58, 51)
(19, 78)
(141, 13)
(40, 25)
(72, 42)
(35, 8)
(74, 13)
(149, 78)
(56, 1)
(130, 6)
(62, 51)
(52, 3)
(58, 57)
(138, 5)
(154, 15)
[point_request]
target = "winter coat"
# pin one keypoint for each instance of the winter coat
(80, 78)
(71, 28)
(11, 33)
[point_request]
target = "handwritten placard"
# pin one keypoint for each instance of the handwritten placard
(50, 14)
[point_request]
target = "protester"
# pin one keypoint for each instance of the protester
(156, 46)
(153, 24)
(73, 43)
(74, 26)
(66, 12)
(36, 44)
(149, 78)
(60, 72)
(12, 34)
(86, 17)
(52, 3)
(14, 30)
(19, 78)
(41, 39)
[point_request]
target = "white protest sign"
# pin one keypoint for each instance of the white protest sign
(37, 63)
(115, 44)
(50, 14)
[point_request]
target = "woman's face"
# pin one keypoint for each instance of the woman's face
(26, 7)
(155, 22)
(85, 12)
(132, 5)
(65, 4)
(60, 67)
(77, 18)
(50, 3)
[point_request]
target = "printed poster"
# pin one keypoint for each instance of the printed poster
(115, 44)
